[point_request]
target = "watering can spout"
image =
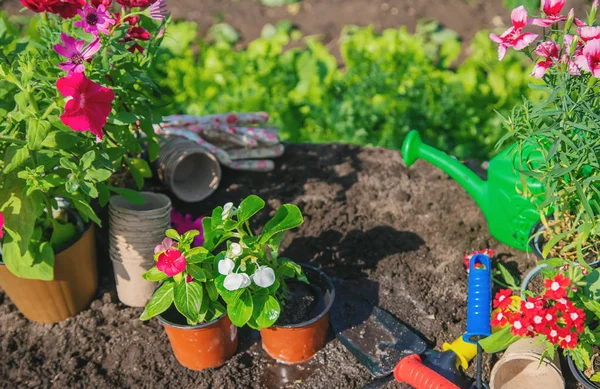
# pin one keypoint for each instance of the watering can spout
(413, 148)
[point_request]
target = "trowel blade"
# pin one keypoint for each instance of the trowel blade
(376, 338)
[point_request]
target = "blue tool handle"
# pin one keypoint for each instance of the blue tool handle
(479, 300)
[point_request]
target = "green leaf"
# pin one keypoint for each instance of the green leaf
(87, 159)
(229, 296)
(160, 301)
(62, 140)
(499, 341)
(20, 213)
(15, 157)
(196, 255)
(62, 233)
(154, 275)
(196, 272)
(266, 310)
(85, 211)
(288, 268)
(69, 165)
(249, 207)
(211, 289)
(97, 175)
(142, 166)
(241, 310)
(171, 233)
(509, 279)
(595, 377)
(188, 299)
(37, 130)
(288, 216)
(36, 263)
(122, 118)
(131, 196)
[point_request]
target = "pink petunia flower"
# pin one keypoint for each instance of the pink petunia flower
(166, 244)
(95, 20)
(549, 52)
(171, 262)
(1, 225)
(589, 60)
(89, 104)
(552, 10)
(158, 10)
(73, 50)
(183, 224)
(514, 37)
(588, 33)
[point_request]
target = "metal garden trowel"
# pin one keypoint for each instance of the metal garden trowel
(385, 345)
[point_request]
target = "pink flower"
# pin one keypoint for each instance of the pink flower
(73, 50)
(552, 10)
(590, 58)
(89, 105)
(95, 20)
(514, 36)
(549, 52)
(183, 224)
(158, 10)
(588, 33)
(171, 262)
(1, 225)
(166, 244)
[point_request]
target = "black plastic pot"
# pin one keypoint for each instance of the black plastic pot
(536, 244)
(579, 376)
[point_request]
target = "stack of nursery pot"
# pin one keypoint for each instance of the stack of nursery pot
(133, 233)
(75, 278)
(188, 169)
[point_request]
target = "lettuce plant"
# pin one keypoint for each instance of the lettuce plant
(252, 277)
(77, 106)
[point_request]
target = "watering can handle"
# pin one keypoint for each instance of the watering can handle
(411, 370)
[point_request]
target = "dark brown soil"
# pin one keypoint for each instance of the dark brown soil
(394, 235)
(299, 305)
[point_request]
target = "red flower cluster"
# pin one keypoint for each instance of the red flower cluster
(552, 315)
(134, 33)
(136, 3)
(467, 257)
(64, 8)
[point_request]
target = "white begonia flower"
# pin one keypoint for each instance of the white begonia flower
(235, 249)
(226, 266)
(228, 209)
(264, 276)
(235, 281)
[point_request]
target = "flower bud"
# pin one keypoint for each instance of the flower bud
(593, 11)
(574, 288)
(569, 21)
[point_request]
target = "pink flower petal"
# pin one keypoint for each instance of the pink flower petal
(524, 40)
(553, 7)
(501, 52)
(519, 17)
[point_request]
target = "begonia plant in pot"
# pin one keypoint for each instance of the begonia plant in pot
(76, 106)
(565, 128)
(289, 303)
(187, 303)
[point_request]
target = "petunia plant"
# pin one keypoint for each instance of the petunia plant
(252, 277)
(564, 127)
(77, 119)
(187, 276)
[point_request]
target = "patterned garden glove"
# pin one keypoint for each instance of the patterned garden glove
(230, 137)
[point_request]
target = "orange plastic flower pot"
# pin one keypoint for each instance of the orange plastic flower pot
(201, 346)
(297, 343)
(74, 285)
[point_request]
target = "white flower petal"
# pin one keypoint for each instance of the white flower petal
(235, 281)
(236, 250)
(264, 277)
(226, 266)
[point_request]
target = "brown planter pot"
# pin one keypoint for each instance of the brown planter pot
(201, 346)
(297, 343)
(74, 285)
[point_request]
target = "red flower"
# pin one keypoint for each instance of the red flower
(553, 335)
(135, 47)
(231, 119)
(1, 225)
(502, 299)
(538, 320)
(171, 262)
(519, 324)
(532, 306)
(136, 3)
(556, 288)
(499, 319)
(574, 317)
(105, 3)
(139, 33)
(568, 339)
(65, 8)
(89, 105)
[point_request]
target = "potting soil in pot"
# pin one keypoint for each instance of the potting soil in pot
(395, 236)
(302, 304)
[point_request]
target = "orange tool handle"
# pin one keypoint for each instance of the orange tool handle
(411, 370)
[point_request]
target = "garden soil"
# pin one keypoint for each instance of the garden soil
(395, 236)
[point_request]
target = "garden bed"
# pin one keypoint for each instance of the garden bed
(394, 234)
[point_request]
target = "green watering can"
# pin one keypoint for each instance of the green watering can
(509, 214)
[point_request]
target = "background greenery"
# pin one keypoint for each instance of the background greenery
(385, 84)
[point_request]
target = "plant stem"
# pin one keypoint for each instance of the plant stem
(12, 140)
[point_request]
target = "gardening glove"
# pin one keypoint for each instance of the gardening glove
(230, 137)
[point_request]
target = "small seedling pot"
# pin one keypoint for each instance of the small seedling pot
(188, 169)
(297, 343)
(134, 231)
(201, 346)
(73, 287)
(520, 368)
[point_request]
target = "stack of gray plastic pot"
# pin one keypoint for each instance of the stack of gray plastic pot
(135, 230)
(187, 169)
